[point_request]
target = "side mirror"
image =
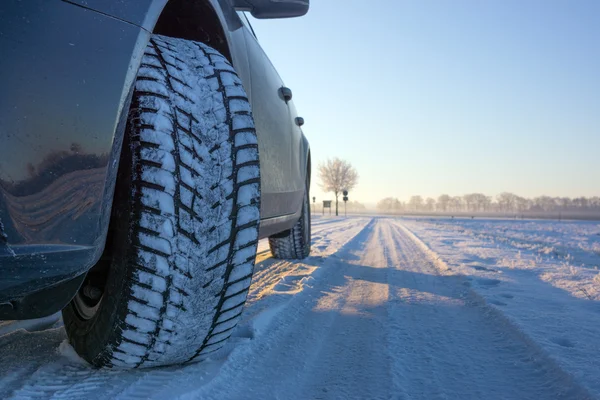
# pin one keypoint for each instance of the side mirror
(263, 9)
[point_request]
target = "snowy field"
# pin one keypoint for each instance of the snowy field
(384, 308)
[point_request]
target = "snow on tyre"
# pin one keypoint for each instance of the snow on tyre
(178, 262)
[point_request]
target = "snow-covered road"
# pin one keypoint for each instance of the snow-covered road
(373, 313)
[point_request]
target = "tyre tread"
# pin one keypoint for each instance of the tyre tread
(155, 251)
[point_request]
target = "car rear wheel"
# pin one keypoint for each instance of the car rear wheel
(172, 283)
(294, 244)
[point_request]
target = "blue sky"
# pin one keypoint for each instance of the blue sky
(432, 97)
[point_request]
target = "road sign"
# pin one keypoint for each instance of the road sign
(345, 198)
(326, 204)
(345, 193)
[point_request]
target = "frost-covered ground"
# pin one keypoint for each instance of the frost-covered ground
(543, 276)
(383, 308)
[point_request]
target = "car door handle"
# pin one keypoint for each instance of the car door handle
(286, 93)
(299, 121)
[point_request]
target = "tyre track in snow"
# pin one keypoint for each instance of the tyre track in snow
(450, 344)
(327, 239)
(376, 320)
(383, 322)
(39, 365)
(25, 373)
(282, 361)
(544, 319)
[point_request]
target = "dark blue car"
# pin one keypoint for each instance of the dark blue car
(145, 147)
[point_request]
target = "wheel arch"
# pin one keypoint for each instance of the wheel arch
(202, 21)
(205, 21)
(307, 159)
(183, 19)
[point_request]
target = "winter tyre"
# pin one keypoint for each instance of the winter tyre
(172, 283)
(294, 244)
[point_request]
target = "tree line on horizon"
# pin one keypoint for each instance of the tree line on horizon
(337, 175)
(477, 202)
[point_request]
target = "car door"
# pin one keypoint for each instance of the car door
(297, 154)
(274, 126)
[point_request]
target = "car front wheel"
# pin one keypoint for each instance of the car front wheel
(178, 263)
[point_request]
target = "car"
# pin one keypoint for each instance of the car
(145, 147)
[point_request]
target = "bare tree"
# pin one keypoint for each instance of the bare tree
(487, 203)
(354, 206)
(506, 201)
(544, 203)
(470, 201)
(416, 203)
(336, 176)
(443, 202)
(476, 201)
(430, 204)
(390, 205)
(521, 204)
(456, 203)
(580, 202)
(564, 202)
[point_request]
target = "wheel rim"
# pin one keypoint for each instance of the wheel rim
(86, 307)
(89, 297)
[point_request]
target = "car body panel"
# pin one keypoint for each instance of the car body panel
(66, 90)
(271, 118)
(142, 13)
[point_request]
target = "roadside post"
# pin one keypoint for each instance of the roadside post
(345, 198)
(314, 205)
